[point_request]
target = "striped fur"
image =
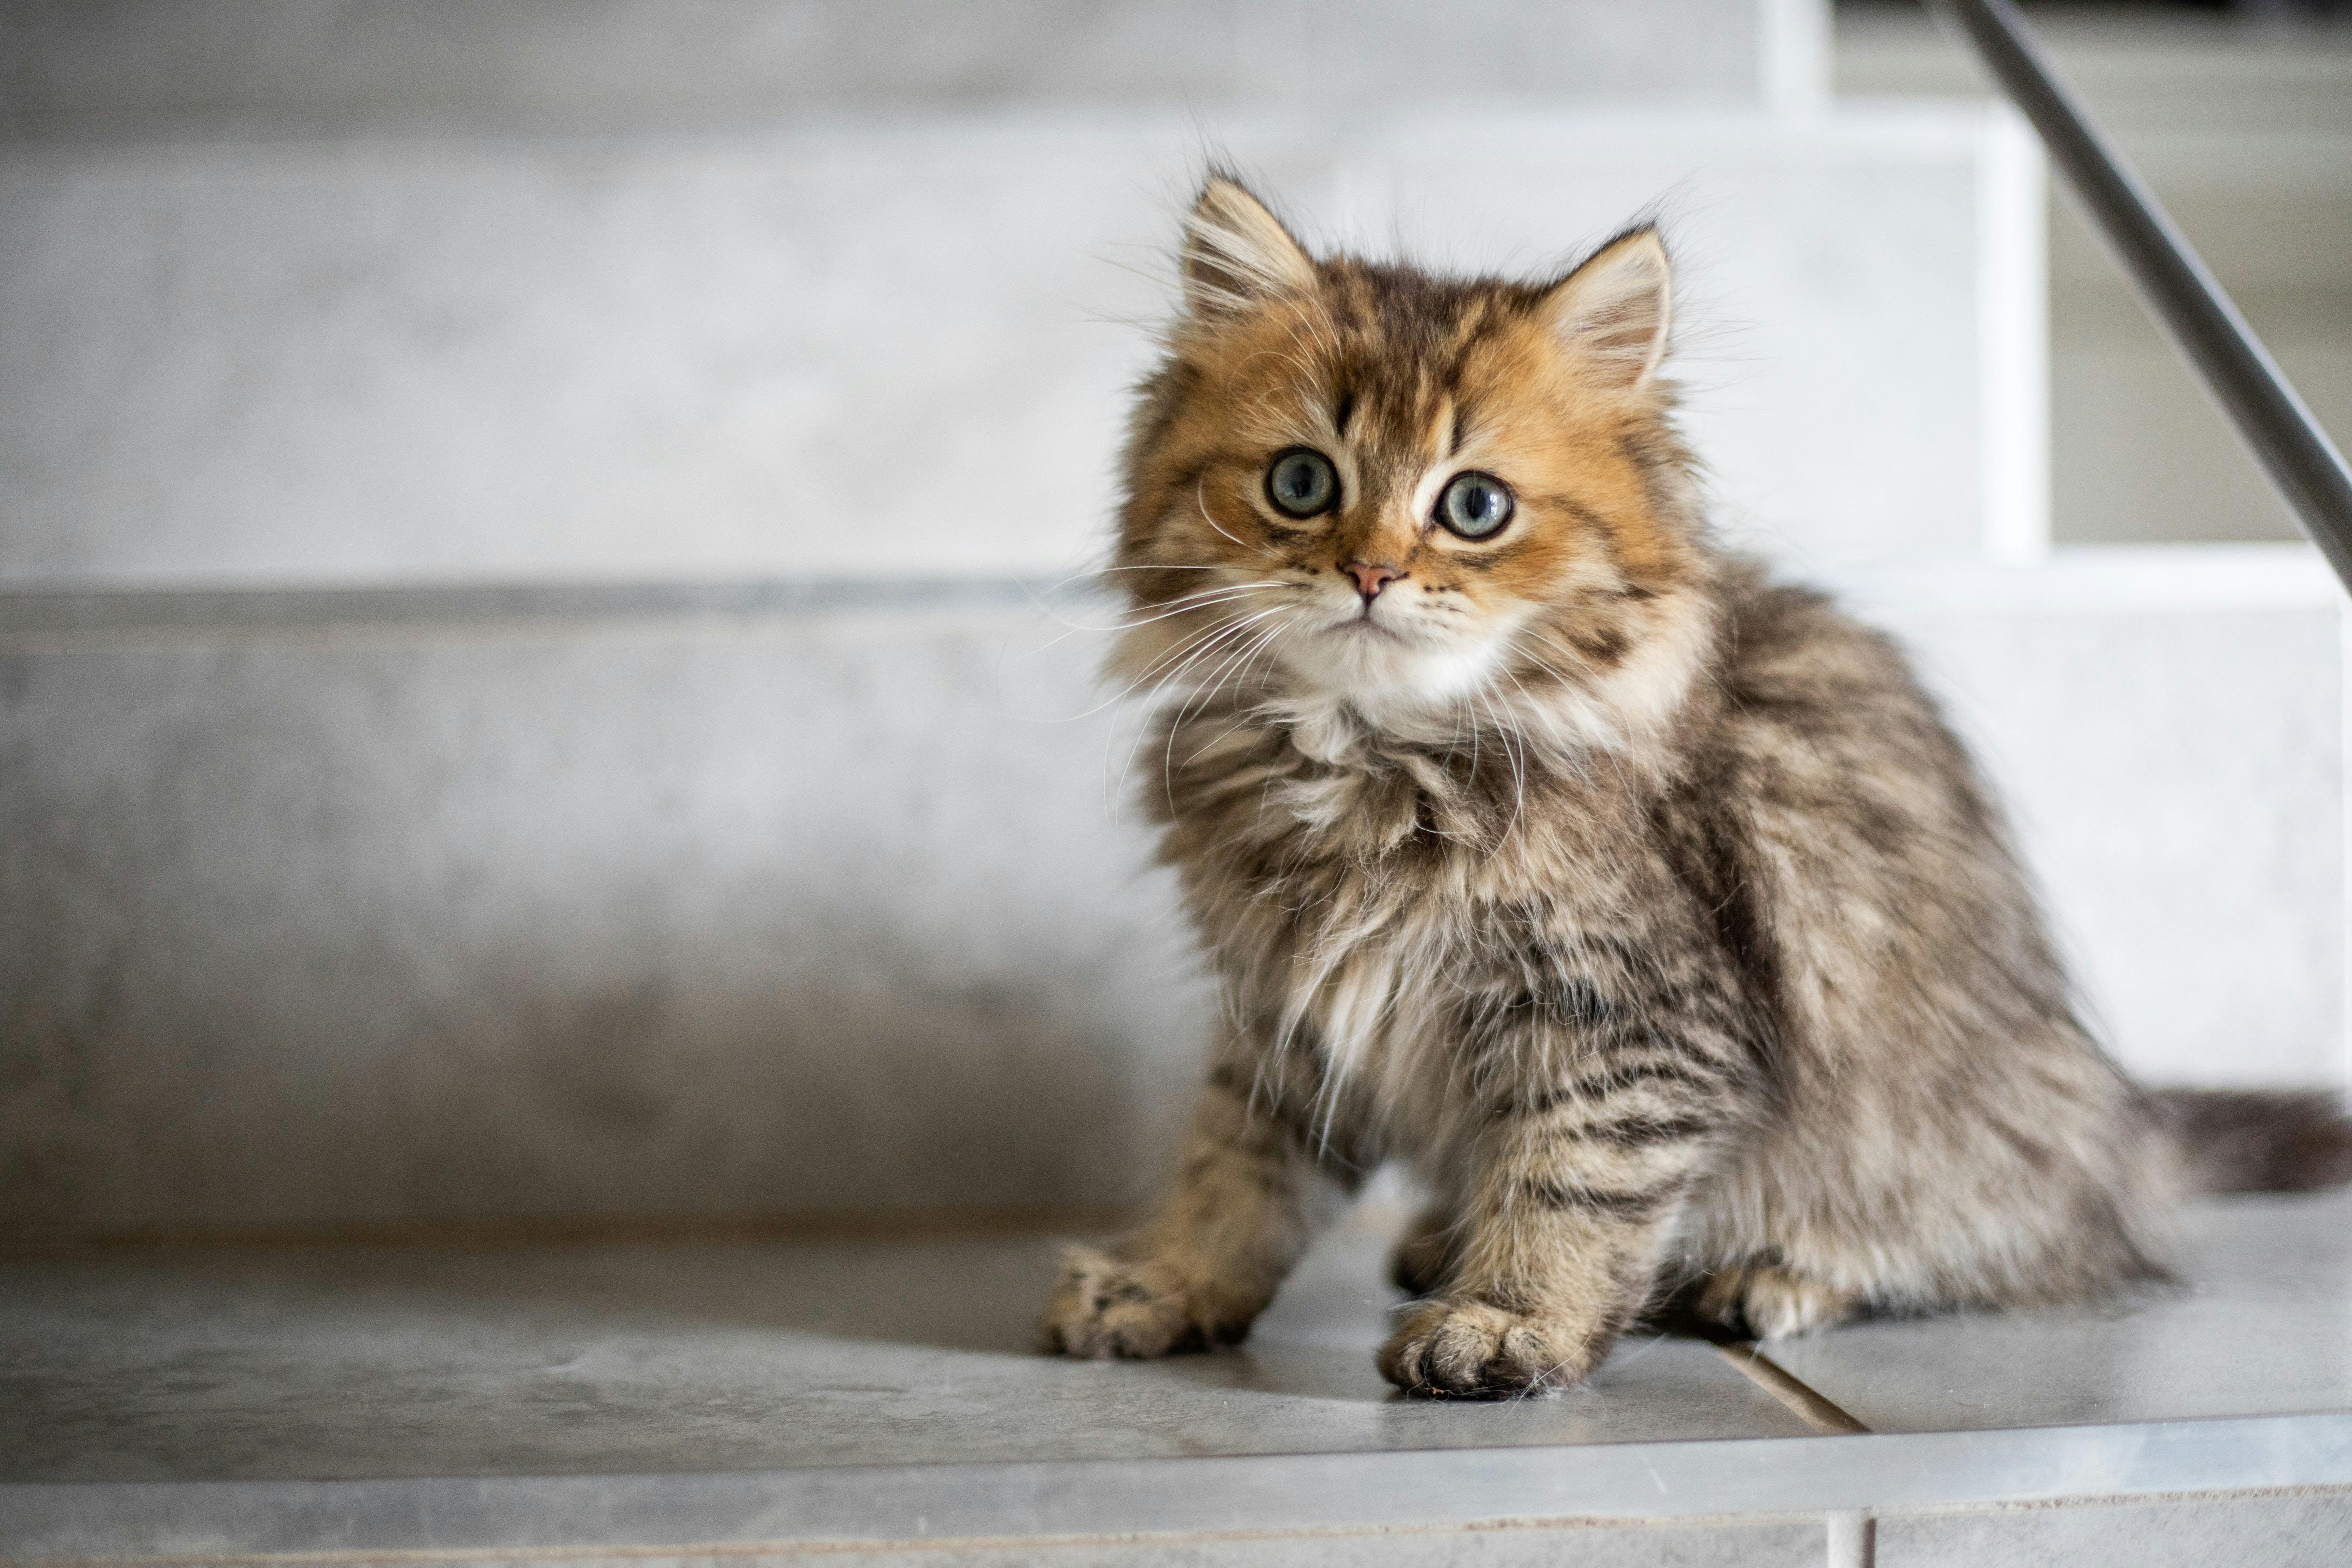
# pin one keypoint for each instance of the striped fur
(1647, 908)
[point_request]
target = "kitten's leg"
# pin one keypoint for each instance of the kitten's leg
(1571, 1195)
(1424, 1256)
(1246, 1198)
(1773, 1302)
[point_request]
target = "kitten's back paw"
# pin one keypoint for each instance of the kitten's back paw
(1766, 1302)
(1104, 1308)
(1470, 1349)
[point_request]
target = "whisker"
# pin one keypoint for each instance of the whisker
(1175, 607)
(1201, 501)
(1229, 630)
(1184, 654)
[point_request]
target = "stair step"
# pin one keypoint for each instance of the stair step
(902, 349)
(878, 1402)
(567, 900)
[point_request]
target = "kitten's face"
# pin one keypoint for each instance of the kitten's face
(1407, 493)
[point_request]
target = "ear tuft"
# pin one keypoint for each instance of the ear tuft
(1617, 308)
(1236, 253)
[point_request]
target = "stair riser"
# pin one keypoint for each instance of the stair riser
(831, 909)
(438, 61)
(904, 352)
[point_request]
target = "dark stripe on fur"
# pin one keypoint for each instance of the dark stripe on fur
(1596, 1086)
(1641, 1132)
(1563, 1004)
(1567, 1195)
(2259, 1141)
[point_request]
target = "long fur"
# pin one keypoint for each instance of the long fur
(1647, 907)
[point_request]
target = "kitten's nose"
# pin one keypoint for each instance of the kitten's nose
(1370, 577)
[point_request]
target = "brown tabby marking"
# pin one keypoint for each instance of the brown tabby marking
(1647, 908)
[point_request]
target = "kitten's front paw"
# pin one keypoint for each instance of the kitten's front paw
(1469, 1350)
(1771, 1303)
(1103, 1308)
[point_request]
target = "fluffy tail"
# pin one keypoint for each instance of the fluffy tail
(2259, 1141)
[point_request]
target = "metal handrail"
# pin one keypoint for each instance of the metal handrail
(2271, 418)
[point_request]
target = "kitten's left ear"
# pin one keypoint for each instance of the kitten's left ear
(1616, 309)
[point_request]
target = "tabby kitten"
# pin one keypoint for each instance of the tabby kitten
(1647, 907)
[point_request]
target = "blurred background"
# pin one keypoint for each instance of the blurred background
(546, 664)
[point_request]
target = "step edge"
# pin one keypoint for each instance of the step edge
(1622, 1482)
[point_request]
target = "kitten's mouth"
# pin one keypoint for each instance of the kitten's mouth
(1364, 624)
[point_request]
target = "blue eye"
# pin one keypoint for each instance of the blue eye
(1475, 505)
(1301, 483)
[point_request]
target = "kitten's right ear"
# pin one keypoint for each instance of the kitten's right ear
(1617, 308)
(1236, 253)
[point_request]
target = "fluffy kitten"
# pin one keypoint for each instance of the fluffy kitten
(1647, 908)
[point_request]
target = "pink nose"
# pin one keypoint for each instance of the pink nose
(1370, 577)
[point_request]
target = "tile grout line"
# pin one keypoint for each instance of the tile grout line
(1815, 1409)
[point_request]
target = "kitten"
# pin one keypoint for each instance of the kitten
(1647, 908)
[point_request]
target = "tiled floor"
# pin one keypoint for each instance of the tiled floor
(869, 1361)
(2260, 1323)
(379, 1362)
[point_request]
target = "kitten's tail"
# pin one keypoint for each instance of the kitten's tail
(2258, 1141)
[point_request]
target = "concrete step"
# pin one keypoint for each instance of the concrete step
(901, 349)
(556, 902)
(74, 67)
(876, 1402)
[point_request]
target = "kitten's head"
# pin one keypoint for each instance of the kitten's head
(1422, 501)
